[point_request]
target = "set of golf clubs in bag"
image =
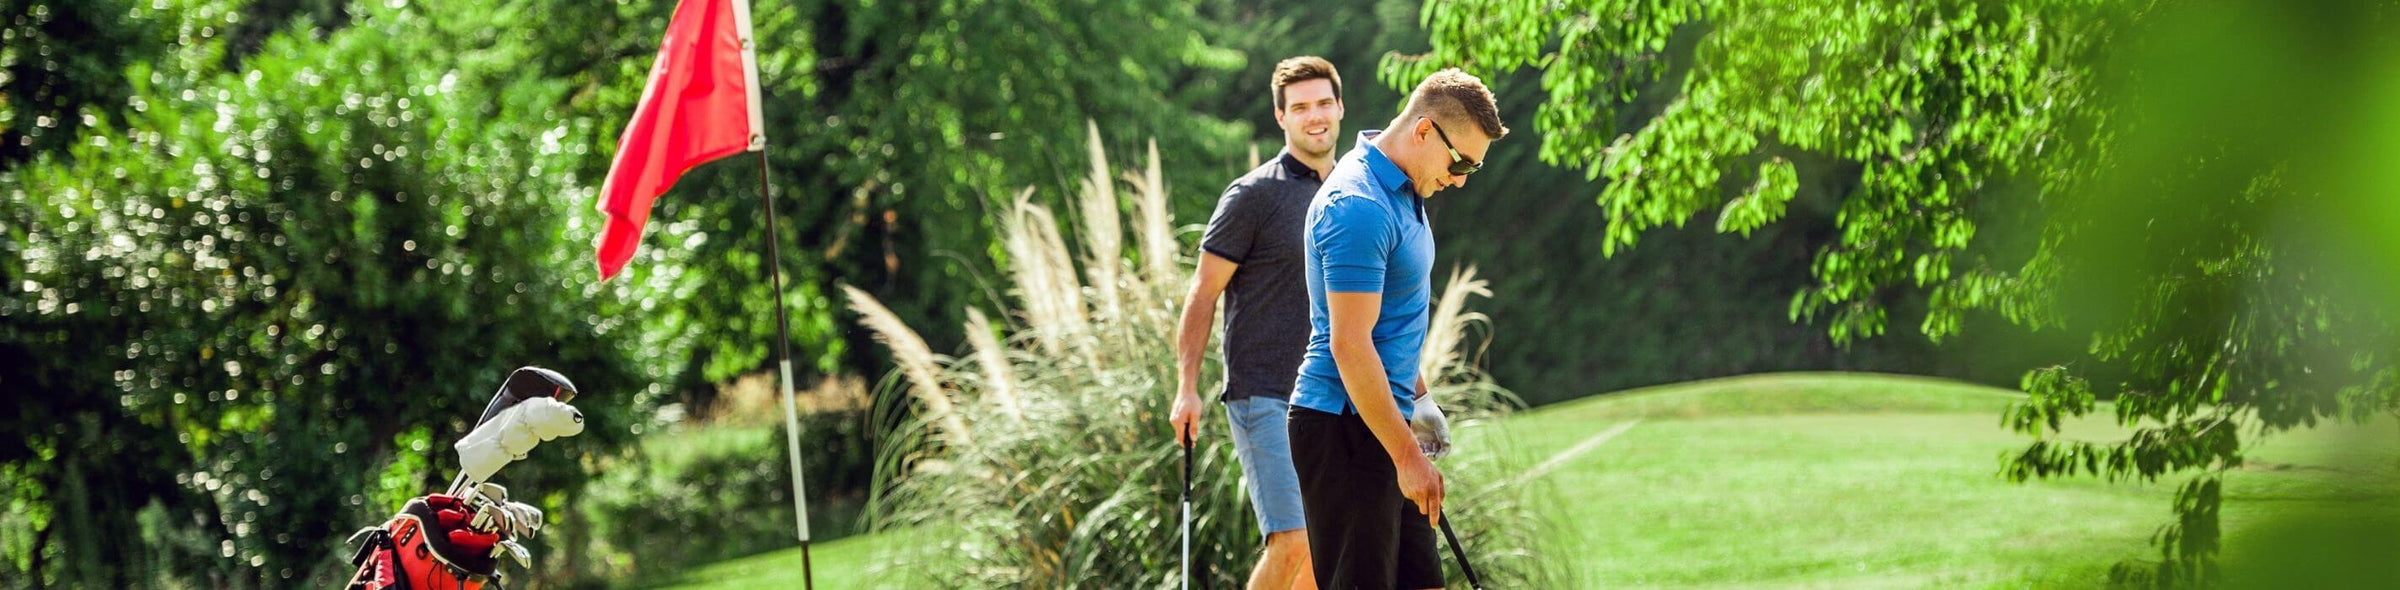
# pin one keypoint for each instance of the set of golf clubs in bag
(455, 539)
(1473, 581)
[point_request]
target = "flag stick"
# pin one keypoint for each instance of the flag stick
(783, 341)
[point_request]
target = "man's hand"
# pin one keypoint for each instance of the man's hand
(1431, 428)
(1185, 417)
(1422, 484)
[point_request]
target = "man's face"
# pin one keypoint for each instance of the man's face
(1429, 164)
(1311, 116)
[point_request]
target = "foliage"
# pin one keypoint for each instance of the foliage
(721, 491)
(1684, 306)
(250, 315)
(337, 135)
(890, 126)
(1996, 157)
(59, 58)
(1048, 448)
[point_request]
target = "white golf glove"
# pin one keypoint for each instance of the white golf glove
(1431, 427)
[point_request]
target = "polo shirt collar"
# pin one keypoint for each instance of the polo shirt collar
(1388, 175)
(1294, 167)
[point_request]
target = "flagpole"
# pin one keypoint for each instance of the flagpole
(756, 114)
(783, 340)
(681, 122)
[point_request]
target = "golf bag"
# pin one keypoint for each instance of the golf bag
(426, 547)
(454, 540)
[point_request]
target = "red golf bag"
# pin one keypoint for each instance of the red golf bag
(454, 540)
(427, 546)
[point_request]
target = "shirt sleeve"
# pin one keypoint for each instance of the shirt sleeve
(1233, 229)
(1354, 240)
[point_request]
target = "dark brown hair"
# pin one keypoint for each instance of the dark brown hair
(1302, 69)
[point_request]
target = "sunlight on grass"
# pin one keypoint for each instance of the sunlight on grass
(1847, 481)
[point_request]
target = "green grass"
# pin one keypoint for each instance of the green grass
(844, 563)
(1843, 480)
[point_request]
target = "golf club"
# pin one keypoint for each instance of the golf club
(1460, 553)
(1187, 511)
(525, 383)
(1431, 422)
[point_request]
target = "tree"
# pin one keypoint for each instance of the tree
(896, 134)
(1684, 306)
(1997, 157)
(253, 311)
(62, 57)
(302, 207)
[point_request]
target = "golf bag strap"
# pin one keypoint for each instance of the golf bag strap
(375, 548)
(368, 540)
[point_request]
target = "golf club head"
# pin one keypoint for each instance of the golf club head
(525, 383)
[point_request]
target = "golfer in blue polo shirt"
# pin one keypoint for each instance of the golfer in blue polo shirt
(1369, 492)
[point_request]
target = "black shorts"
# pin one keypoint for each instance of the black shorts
(1361, 532)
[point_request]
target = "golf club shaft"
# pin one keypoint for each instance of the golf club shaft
(1187, 514)
(1460, 553)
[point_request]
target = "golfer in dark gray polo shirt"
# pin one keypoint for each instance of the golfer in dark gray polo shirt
(1251, 255)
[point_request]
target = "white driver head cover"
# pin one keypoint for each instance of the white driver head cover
(512, 433)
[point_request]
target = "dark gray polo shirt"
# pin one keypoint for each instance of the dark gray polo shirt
(1259, 225)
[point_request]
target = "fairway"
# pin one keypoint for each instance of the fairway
(1817, 480)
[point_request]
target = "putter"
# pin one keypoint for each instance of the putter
(1460, 553)
(1187, 512)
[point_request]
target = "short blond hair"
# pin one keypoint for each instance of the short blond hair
(1453, 96)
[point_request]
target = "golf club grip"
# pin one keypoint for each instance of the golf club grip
(1460, 553)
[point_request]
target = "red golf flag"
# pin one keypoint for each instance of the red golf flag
(701, 104)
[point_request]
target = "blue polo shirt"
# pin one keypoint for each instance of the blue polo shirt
(1366, 234)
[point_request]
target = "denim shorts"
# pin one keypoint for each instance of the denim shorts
(1265, 446)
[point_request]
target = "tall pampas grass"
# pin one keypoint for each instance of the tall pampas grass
(999, 378)
(1103, 229)
(916, 360)
(1446, 331)
(1160, 253)
(1047, 288)
(1070, 477)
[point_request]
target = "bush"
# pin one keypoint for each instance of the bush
(246, 316)
(1048, 446)
(704, 493)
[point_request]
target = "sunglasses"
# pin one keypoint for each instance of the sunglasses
(1459, 164)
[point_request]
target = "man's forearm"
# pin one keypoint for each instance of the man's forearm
(1371, 392)
(1191, 340)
